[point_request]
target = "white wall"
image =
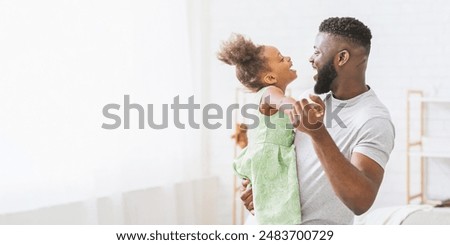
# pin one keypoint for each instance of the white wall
(61, 62)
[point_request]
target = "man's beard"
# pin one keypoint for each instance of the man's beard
(325, 77)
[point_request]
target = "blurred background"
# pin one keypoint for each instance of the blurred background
(61, 62)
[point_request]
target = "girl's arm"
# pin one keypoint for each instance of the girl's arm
(274, 100)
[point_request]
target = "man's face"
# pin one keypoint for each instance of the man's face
(322, 61)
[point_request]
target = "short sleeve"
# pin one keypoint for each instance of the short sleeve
(376, 140)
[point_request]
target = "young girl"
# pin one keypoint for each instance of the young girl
(269, 159)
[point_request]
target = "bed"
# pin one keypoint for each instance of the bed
(406, 215)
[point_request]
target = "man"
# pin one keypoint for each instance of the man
(341, 158)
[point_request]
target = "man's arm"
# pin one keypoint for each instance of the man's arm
(247, 196)
(355, 182)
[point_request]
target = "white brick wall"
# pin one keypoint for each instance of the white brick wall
(410, 50)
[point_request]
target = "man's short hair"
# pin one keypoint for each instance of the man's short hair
(349, 28)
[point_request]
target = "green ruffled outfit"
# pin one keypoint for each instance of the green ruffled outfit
(269, 163)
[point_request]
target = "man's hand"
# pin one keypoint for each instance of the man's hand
(247, 196)
(307, 117)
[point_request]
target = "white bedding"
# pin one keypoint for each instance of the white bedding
(390, 215)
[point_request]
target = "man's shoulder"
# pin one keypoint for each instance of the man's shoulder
(361, 109)
(368, 106)
(371, 106)
(373, 115)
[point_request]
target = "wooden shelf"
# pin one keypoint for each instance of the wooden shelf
(418, 148)
(429, 154)
(429, 100)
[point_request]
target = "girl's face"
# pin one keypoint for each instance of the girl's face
(281, 72)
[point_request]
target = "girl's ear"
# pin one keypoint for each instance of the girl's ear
(269, 78)
(342, 57)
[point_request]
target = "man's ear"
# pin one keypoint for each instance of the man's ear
(269, 78)
(342, 57)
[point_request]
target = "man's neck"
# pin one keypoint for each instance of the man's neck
(346, 91)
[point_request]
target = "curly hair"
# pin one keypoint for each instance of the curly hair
(248, 59)
(349, 28)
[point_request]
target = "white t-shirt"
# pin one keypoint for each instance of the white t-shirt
(361, 124)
